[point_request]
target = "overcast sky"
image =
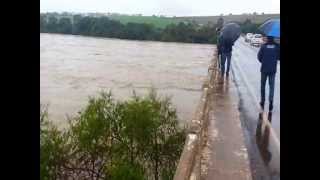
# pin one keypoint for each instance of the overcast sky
(163, 7)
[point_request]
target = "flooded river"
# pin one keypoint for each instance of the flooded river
(72, 68)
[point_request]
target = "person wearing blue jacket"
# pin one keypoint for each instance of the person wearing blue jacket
(268, 55)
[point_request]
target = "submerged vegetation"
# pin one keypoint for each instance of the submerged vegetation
(135, 139)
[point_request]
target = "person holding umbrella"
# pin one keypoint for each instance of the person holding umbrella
(229, 34)
(268, 56)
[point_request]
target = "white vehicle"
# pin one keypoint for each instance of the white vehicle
(248, 37)
(256, 40)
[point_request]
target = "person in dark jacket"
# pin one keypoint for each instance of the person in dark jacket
(218, 30)
(225, 48)
(268, 56)
(218, 40)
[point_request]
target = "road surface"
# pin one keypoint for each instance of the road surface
(246, 76)
(246, 69)
(236, 147)
(225, 155)
(235, 143)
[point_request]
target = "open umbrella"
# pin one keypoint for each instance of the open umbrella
(231, 32)
(271, 28)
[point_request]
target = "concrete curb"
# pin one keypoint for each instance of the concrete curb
(188, 160)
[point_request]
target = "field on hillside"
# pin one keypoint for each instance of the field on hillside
(238, 18)
(160, 22)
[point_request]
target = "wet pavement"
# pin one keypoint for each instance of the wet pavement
(224, 156)
(230, 151)
(246, 69)
(262, 137)
(241, 143)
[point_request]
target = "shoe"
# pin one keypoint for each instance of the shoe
(270, 106)
(270, 116)
(262, 105)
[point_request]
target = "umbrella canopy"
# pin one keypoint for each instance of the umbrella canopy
(231, 31)
(271, 28)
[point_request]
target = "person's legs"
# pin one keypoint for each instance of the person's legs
(263, 85)
(271, 90)
(229, 62)
(219, 61)
(223, 60)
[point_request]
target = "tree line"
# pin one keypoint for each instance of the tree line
(248, 27)
(136, 139)
(189, 32)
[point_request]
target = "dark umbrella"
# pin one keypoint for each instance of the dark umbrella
(271, 28)
(231, 31)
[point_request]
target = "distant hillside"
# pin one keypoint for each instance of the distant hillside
(160, 22)
(227, 18)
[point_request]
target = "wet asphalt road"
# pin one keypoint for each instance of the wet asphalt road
(246, 70)
(262, 144)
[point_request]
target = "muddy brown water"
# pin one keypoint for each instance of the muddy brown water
(72, 68)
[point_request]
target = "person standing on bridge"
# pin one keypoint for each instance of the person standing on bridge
(230, 32)
(268, 56)
(219, 49)
(225, 49)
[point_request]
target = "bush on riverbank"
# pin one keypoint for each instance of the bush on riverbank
(189, 31)
(134, 139)
(177, 31)
(105, 27)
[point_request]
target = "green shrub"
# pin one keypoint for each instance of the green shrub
(134, 139)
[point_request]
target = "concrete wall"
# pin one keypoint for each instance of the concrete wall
(188, 159)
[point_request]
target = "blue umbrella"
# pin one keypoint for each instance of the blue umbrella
(271, 28)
